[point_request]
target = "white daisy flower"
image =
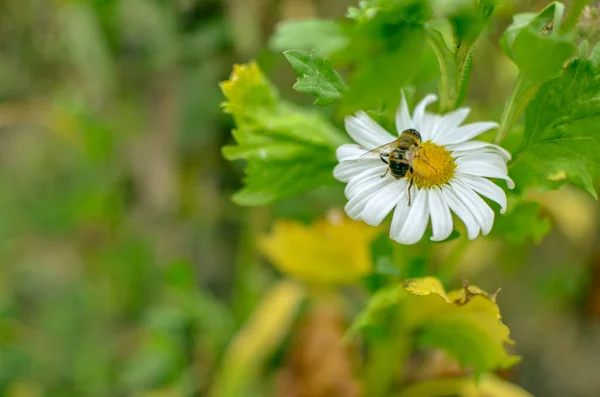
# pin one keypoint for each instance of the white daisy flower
(446, 172)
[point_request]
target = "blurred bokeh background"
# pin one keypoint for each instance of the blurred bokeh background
(125, 267)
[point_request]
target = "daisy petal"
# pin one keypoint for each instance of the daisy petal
(455, 118)
(416, 221)
(464, 133)
(460, 209)
(441, 219)
(356, 182)
(400, 214)
(366, 132)
(359, 201)
(349, 151)
(420, 111)
(466, 147)
(382, 202)
(482, 212)
(486, 188)
(488, 170)
(481, 156)
(403, 120)
(345, 171)
(431, 124)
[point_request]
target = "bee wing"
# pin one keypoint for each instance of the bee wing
(383, 149)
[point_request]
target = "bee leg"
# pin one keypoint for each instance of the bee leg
(382, 157)
(409, 187)
(427, 162)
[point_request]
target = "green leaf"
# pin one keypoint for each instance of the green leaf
(289, 150)
(536, 45)
(414, 11)
(465, 323)
(562, 130)
(316, 77)
(388, 57)
(321, 35)
(382, 256)
(525, 223)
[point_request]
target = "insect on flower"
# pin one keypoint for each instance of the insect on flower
(431, 169)
(399, 155)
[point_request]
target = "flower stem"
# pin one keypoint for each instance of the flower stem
(455, 67)
(447, 271)
(387, 356)
(464, 56)
(522, 94)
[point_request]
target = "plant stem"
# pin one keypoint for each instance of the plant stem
(447, 271)
(463, 61)
(387, 357)
(522, 94)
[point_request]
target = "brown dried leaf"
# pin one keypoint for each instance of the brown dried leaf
(318, 365)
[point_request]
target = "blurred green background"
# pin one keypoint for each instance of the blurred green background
(125, 268)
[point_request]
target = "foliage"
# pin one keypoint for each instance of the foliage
(377, 50)
(488, 386)
(523, 224)
(316, 77)
(465, 323)
(289, 150)
(321, 35)
(561, 129)
(127, 270)
(330, 251)
(533, 37)
(264, 331)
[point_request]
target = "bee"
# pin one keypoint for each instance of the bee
(399, 155)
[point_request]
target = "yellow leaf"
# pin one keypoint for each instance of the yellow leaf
(327, 252)
(426, 286)
(264, 331)
(488, 386)
(466, 323)
(247, 87)
(493, 386)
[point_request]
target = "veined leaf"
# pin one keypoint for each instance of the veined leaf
(389, 56)
(465, 323)
(289, 150)
(535, 43)
(316, 77)
(562, 130)
(525, 223)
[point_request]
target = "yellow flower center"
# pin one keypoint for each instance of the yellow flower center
(432, 166)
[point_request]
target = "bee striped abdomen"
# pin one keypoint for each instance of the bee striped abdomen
(398, 166)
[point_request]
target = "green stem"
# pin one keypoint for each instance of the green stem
(387, 356)
(573, 15)
(463, 61)
(447, 271)
(522, 94)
